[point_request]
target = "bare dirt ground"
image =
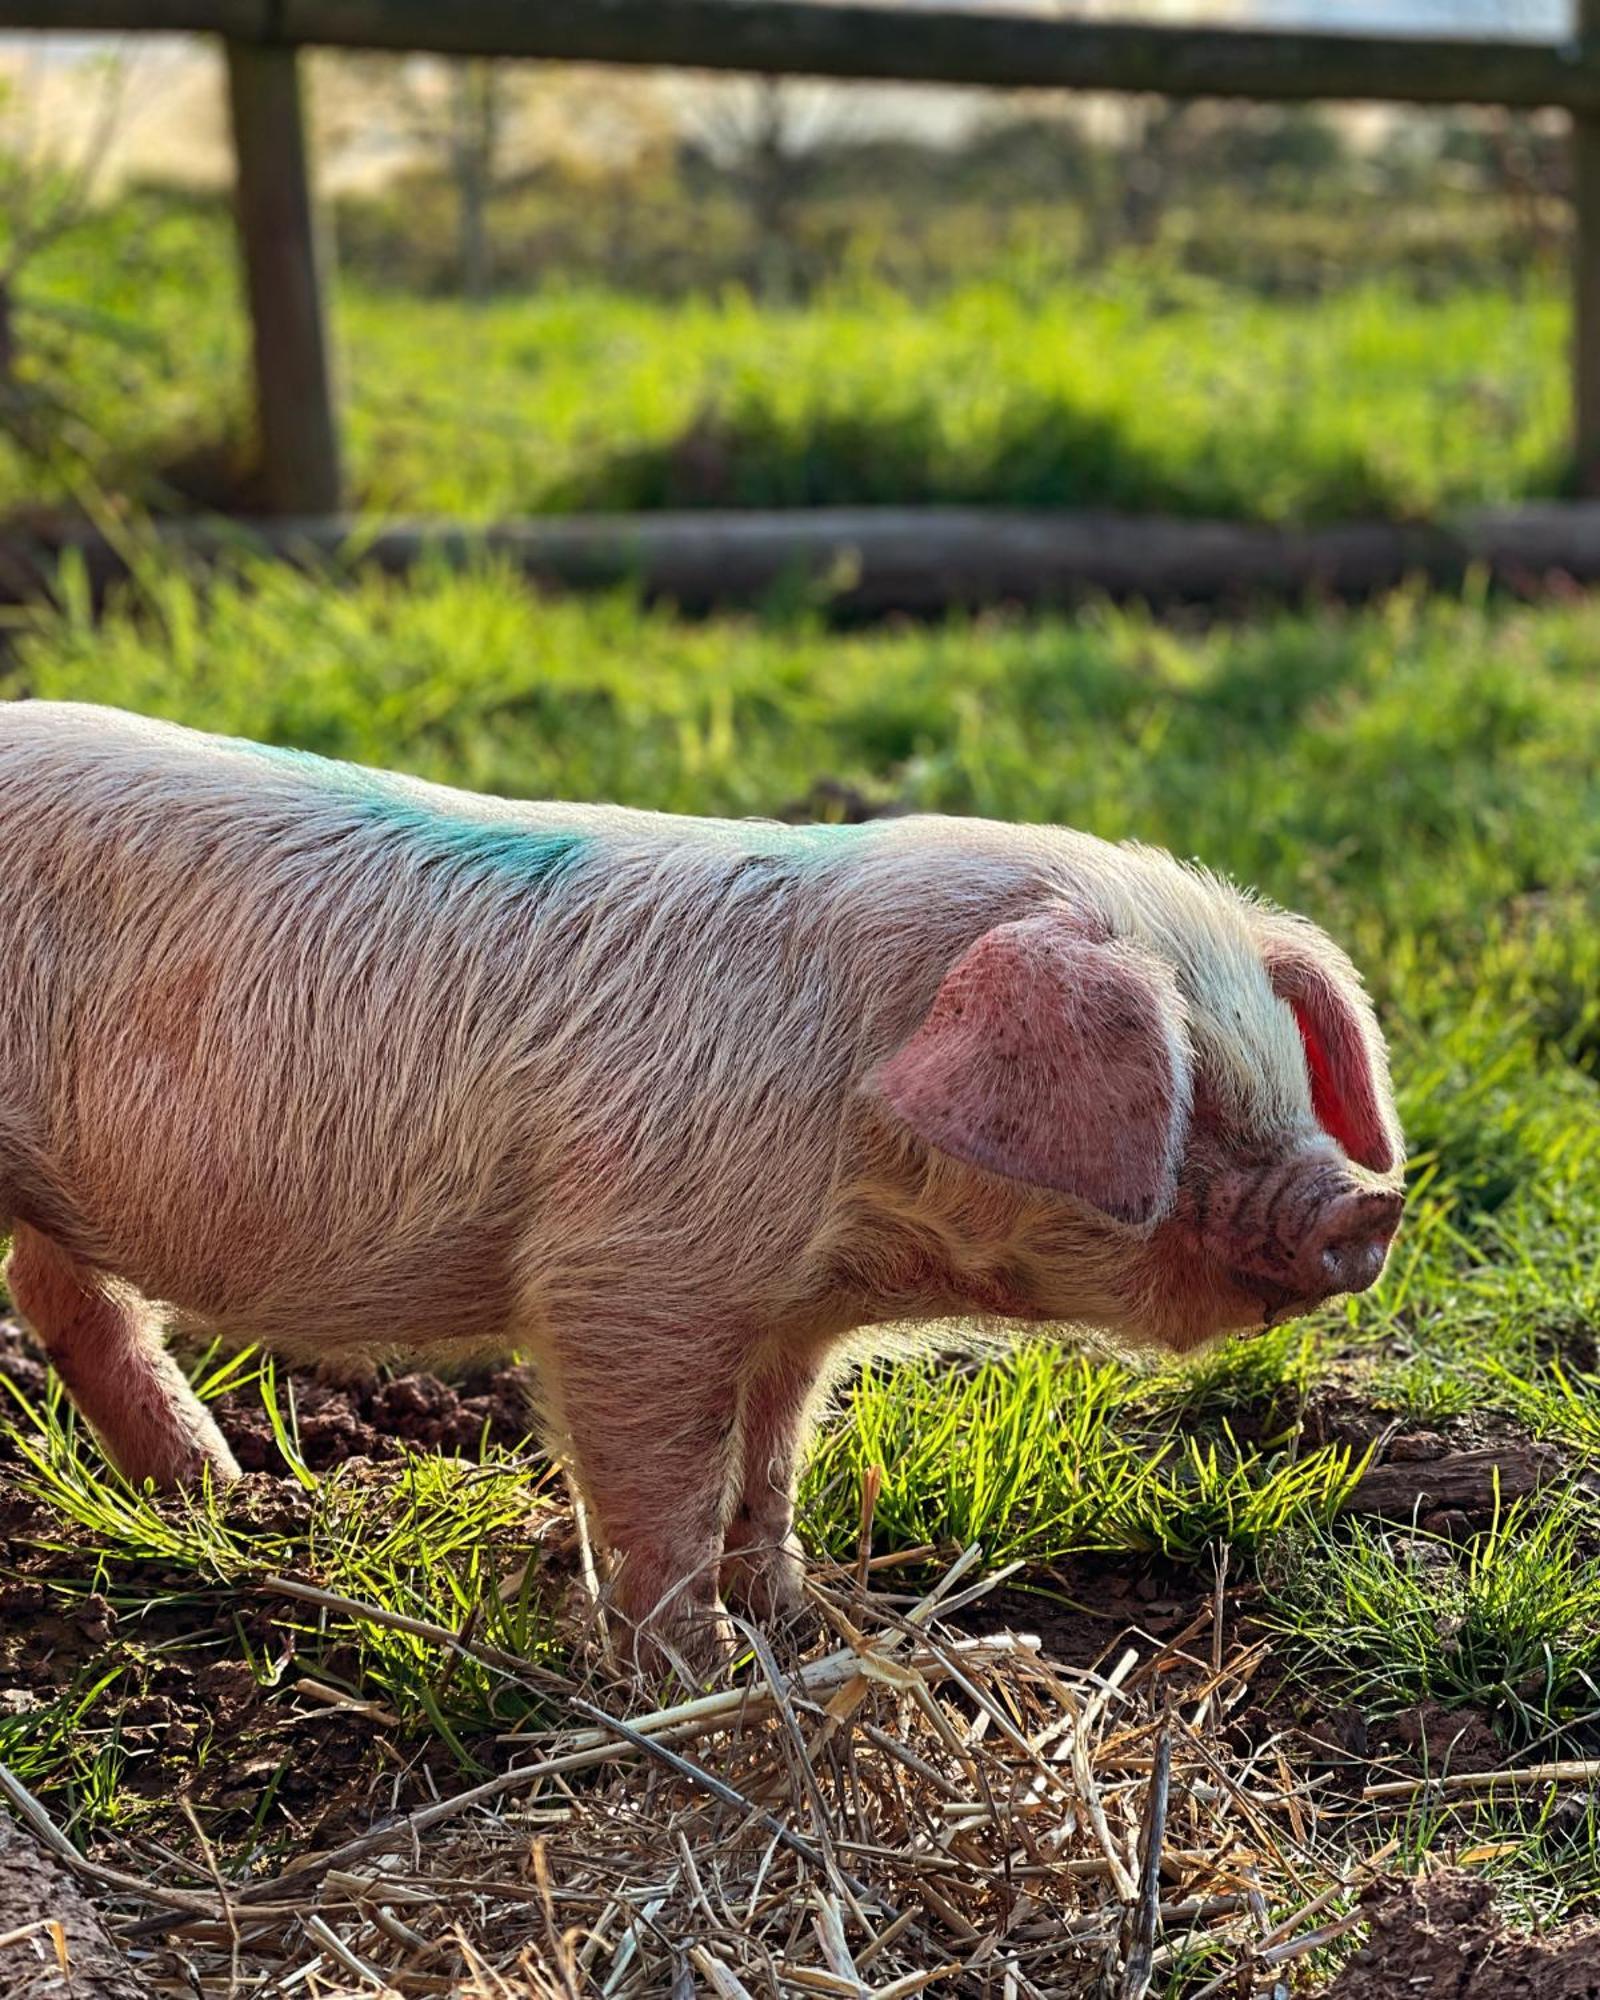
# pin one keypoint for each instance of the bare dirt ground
(1439, 1939)
(53, 1945)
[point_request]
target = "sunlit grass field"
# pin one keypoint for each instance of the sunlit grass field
(1135, 386)
(1423, 777)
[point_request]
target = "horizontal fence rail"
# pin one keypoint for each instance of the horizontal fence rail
(997, 48)
(1003, 49)
(865, 562)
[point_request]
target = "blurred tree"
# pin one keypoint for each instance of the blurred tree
(1019, 153)
(1521, 157)
(406, 131)
(765, 141)
(1154, 162)
(457, 118)
(45, 192)
(1531, 159)
(478, 107)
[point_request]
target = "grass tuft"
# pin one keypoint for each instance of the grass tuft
(1510, 1625)
(1042, 1456)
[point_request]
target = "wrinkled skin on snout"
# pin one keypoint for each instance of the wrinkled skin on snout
(682, 1110)
(1275, 1241)
(1244, 1250)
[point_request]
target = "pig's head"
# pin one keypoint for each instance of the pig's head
(1195, 1090)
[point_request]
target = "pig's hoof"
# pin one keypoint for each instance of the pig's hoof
(223, 1466)
(769, 1583)
(692, 1649)
(184, 1465)
(791, 1631)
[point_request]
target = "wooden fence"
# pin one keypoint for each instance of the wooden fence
(995, 48)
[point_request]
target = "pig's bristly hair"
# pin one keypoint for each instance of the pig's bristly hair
(337, 1038)
(339, 1060)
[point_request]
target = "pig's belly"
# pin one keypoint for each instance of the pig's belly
(294, 1287)
(297, 1211)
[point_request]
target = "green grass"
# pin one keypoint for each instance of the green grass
(1422, 776)
(1138, 387)
(432, 1540)
(1044, 1455)
(1512, 1627)
(1127, 394)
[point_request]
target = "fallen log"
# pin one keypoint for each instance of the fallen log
(866, 562)
(53, 1945)
(1464, 1482)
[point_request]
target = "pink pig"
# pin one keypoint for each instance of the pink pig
(346, 1063)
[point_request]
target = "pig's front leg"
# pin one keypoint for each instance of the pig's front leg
(648, 1419)
(764, 1565)
(105, 1344)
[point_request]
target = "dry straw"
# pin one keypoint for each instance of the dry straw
(922, 1808)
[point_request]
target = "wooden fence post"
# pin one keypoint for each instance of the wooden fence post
(295, 402)
(1586, 273)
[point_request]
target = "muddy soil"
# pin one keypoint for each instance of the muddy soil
(1090, 1605)
(179, 1711)
(378, 1419)
(1084, 1613)
(339, 1421)
(1441, 1939)
(196, 1721)
(1336, 1414)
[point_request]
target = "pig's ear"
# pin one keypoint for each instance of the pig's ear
(1054, 1058)
(1344, 1053)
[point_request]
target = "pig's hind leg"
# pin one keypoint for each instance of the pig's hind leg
(105, 1344)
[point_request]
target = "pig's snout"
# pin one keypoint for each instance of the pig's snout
(1348, 1248)
(1340, 1245)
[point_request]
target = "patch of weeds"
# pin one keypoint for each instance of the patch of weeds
(91, 1508)
(1426, 1390)
(1042, 1455)
(50, 1742)
(1017, 1454)
(1006, 379)
(1539, 1847)
(150, 1642)
(1202, 1492)
(1557, 1404)
(1466, 1112)
(1553, 1870)
(1262, 1381)
(1510, 1625)
(433, 1546)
